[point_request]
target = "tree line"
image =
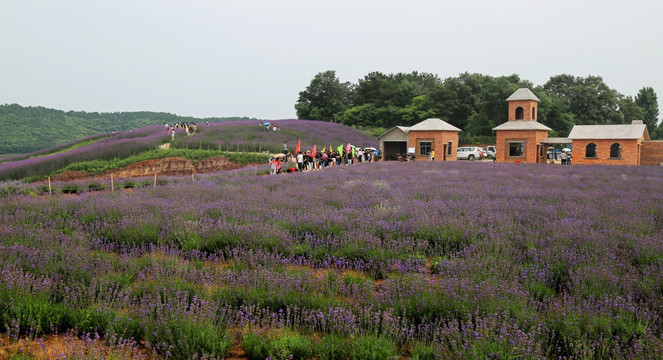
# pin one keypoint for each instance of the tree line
(475, 103)
(28, 129)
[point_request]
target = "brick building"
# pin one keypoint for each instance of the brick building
(652, 153)
(520, 139)
(434, 134)
(609, 144)
(394, 142)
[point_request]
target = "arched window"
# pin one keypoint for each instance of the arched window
(590, 150)
(520, 113)
(616, 151)
(533, 113)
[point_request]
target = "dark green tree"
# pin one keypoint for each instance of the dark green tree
(326, 98)
(630, 110)
(589, 99)
(648, 101)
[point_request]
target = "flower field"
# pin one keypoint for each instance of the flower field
(370, 261)
(118, 149)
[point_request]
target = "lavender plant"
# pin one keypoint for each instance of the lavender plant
(538, 262)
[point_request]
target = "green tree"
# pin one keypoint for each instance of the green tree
(326, 98)
(589, 99)
(648, 101)
(631, 110)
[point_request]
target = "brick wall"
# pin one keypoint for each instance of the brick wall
(630, 152)
(651, 152)
(527, 106)
(530, 140)
(438, 139)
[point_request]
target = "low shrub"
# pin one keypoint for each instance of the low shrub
(129, 184)
(94, 186)
(71, 189)
(332, 347)
(371, 347)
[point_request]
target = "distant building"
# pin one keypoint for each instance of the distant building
(608, 144)
(434, 134)
(520, 139)
(394, 142)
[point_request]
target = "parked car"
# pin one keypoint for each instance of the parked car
(491, 151)
(469, 153)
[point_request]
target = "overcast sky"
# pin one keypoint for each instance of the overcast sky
(252, 57)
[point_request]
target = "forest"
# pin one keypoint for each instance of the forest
(27, 129)
(474, 103)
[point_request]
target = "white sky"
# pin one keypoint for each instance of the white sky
(251, 58)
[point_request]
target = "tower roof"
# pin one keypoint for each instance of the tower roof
(523, 94)
(522, 125)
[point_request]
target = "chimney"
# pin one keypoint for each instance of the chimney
(637, 122)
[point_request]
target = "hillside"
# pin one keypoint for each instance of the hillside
(241, 142)
(27, 129)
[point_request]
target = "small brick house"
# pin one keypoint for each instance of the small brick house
(394, 142)
(608, 144)
(520, 139)
(434, 134)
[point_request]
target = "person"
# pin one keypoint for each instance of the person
(432, 155)
(285, 150)
(273, 166)
(300, 161)
(563, 157)
(568, 158)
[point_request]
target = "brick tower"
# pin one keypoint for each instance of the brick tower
(520, 138)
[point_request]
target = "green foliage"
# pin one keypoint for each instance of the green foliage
(332, 347)
(371, 347)
(183, 339)
(284, 346)
(326, 98)
(648, 101)
(27, 129)
(474, 103)
(94, 186)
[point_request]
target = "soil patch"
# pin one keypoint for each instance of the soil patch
(163, 167)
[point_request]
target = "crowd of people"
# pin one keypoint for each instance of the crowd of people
(270, 126)
(191, 128)
(302, 161)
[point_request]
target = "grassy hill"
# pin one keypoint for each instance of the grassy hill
(99, 153)
(27, 129)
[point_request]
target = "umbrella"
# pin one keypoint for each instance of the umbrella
(278, 155)
(265, 123)
(566, 149)
(370, 148)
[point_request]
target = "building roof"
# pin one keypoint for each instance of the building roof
(404, 129)
(523, 94)
(522, 125)
(624, 131)
(557, 140)
(434, 124)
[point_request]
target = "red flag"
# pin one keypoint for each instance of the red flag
(299, 143)
(313, 151)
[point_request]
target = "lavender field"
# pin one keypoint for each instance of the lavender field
(235, 136)
(370, 261)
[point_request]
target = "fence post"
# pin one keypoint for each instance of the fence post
(112, 185)
(237, 147)
(155, 180)
(50, 192)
